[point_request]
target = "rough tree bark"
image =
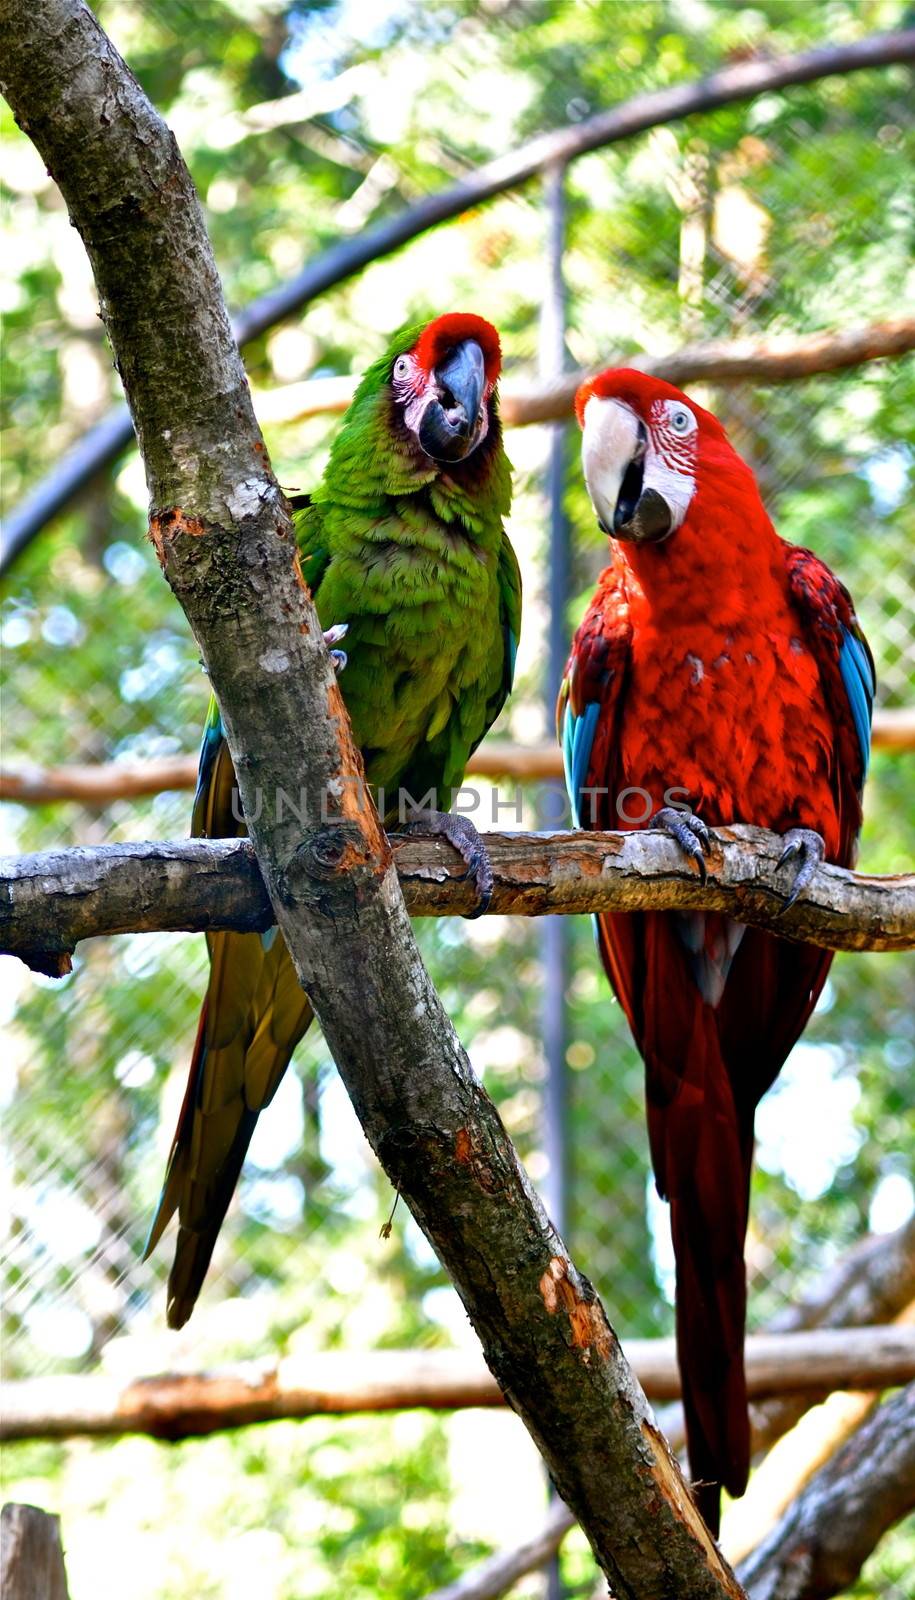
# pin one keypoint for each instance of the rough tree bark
(48, 902)
(225, 542)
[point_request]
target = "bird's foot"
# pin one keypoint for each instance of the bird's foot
(690, 832)
(805, 846)
(467, 841)
(332, 637)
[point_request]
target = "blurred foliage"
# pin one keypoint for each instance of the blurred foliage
(302, 124)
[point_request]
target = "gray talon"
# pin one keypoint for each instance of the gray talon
(690, 833)
(461, 833)
(806, 847)
(339, 659)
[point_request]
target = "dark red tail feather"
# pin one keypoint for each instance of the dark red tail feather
(702, 1154)
(711, 1308)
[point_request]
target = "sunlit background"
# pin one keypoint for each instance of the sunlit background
(303, 124)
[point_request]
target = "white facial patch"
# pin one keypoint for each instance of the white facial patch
(609, 442)
(670, 458)
(675, 488)
(410, 388)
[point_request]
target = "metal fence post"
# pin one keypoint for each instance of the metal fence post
(554, 932)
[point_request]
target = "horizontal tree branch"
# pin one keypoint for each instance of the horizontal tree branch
(99, 783)
(182, 1405)
(826, 1535)
(739, 82)
(48, 902)
(778, 359)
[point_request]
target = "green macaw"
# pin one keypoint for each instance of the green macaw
(403, 547)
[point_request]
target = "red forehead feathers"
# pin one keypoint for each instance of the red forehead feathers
(638, 390)
(445, 332)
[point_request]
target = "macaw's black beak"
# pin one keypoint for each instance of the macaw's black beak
(452, 424)
(642, 515)
(647, 522)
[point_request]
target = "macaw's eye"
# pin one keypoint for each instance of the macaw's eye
(401, 367)
(681, 420)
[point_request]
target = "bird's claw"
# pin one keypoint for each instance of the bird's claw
(468, 842)
(332, 636)
(690, 833)
(807, 847)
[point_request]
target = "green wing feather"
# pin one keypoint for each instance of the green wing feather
(431, 592)
(510, 616)
(254, 1014)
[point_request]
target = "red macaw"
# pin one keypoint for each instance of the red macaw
(718, 668)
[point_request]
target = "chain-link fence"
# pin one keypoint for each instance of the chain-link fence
(783, 216)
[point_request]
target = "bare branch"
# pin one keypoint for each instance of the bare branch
(874, 1283)
(98, 783)
(788, 1467)
(827, 1534)
(226, 544)
(507, 1567)
(742, 81)
(184, 1405)
(52, 900)
(780, 359)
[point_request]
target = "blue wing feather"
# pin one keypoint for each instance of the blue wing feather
(577, 739)
(209, 749)
(568, 734)
(858, 678)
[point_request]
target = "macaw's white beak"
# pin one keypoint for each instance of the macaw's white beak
(619, 468)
